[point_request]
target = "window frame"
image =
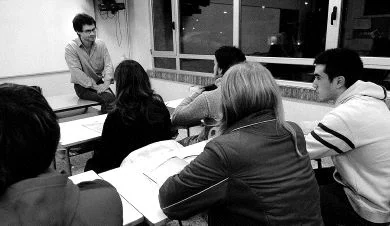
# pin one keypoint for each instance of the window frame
(333, 33)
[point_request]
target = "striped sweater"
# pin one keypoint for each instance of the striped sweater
(357, 136)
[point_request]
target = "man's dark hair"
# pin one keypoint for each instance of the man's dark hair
(341, 62)
(29, 134)
(82, 19)
(227, 56)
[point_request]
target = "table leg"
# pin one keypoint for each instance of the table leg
(54, 162)
(68, 161)
(319, 163)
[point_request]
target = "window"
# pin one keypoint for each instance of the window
(365, 28)
(168, 63)
(205, 25)
(292, 28)
(197, 65)
(162, 25)
(284, 35)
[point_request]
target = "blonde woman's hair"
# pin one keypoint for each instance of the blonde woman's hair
(248, 88)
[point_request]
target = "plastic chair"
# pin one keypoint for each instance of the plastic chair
(212, 127)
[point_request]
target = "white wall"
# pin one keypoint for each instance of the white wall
(140, 40)
(58, 83)
(35, 33)
(52, 84)
(113, 29)
(57, 30)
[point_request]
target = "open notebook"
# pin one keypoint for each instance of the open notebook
(160, 160)
(162, 172)
(86, 176)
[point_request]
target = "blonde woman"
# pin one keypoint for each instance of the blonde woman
(258, 171)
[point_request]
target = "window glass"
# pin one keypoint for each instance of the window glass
(205, 25)
(288, 28)
(365, 27)
(380, 77)
(162, 25)
(167, 63)
(302, 73)
(197, 65)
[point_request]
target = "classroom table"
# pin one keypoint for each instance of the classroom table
(69, 102)
(81, 131)
(141, 191)
(173, 103)
(77, 132)
(130, 215)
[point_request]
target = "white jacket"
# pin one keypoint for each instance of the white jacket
(357, 136)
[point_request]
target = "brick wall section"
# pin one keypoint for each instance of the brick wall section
(300, 93)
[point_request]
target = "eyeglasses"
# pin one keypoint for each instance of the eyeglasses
(90, 31)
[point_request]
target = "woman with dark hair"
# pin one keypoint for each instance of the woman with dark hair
(139, 118)
(31, 193)
(258, 171)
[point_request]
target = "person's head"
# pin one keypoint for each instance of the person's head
(85, 27)
(225, 57)
(335, 71)
(132, 81)
(29, 134)
(248, 88)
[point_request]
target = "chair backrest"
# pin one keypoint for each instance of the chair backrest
(212, 127)
(214, 132)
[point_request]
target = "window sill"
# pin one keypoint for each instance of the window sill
(290, 89)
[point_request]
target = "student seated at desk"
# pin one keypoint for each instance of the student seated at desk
(204, 103)
(139, 118)
(258, 171)
(356, 134)
(30, 192)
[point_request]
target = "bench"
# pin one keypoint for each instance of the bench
(69, 102)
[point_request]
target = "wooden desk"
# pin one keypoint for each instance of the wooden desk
(130, 215)
(141, 191)
(69, 102)
(77, 132)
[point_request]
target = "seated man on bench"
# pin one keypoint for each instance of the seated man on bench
(90, 64)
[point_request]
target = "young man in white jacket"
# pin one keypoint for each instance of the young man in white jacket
(356, 134)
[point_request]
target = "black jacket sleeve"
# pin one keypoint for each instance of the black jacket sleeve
(201, 184)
